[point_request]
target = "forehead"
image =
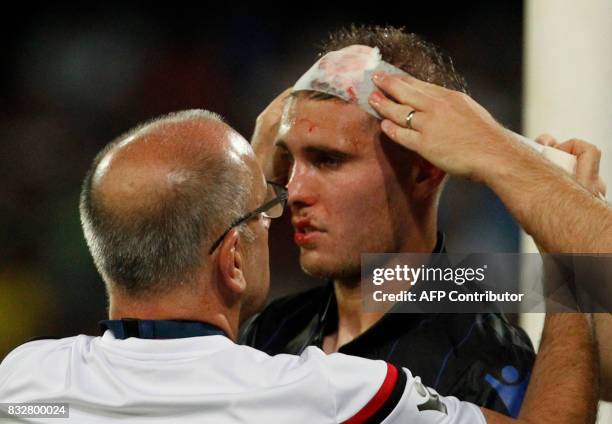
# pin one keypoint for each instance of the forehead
(329, 123)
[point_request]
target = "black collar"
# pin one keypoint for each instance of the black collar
(159, 329)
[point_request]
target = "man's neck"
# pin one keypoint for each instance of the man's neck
(353, 321)
(172, 307)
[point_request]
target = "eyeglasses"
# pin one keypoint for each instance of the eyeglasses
(273, 207)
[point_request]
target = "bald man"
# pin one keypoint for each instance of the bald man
(142, 206)
(176, 214)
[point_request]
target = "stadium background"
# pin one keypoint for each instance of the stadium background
(73, 80)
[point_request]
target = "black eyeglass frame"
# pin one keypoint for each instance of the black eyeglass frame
(280, 198)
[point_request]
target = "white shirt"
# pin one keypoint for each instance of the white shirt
(210, 379)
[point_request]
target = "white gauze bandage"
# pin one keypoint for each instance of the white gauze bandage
(347, 74)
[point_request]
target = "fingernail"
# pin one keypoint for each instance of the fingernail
(385, 125)
(375, 97)
(378, 76)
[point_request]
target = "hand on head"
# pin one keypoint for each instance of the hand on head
(446, 127)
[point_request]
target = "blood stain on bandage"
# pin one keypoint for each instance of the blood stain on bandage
(351, 92)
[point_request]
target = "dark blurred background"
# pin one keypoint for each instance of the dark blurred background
(73, 80)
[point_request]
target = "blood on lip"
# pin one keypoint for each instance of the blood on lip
(304, 232)
(303, 238)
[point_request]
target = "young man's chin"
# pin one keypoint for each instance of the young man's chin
(315, 265)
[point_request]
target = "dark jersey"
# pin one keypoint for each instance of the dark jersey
(480, 358)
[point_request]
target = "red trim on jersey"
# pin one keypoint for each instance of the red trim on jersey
(379, 399)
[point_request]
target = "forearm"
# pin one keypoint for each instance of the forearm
(564, 384)
(269, 157)
(603, 330)
(557, 212)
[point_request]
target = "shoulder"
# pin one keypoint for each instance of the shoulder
(490, 342)
(45, 360)
(498, 333)
(490, 347)
(282, 316)
(38, 347)
(492, 330)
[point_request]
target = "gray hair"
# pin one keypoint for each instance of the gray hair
(157, 249)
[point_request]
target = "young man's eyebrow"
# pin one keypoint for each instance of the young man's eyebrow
(330, 151)
(316, 149)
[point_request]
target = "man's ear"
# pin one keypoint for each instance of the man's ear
(231, 263)
(428, 178)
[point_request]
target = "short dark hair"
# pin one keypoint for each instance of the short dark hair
(405, 50)
(154, 250)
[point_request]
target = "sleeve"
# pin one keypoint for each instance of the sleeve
(423, 405)
(369, 391)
